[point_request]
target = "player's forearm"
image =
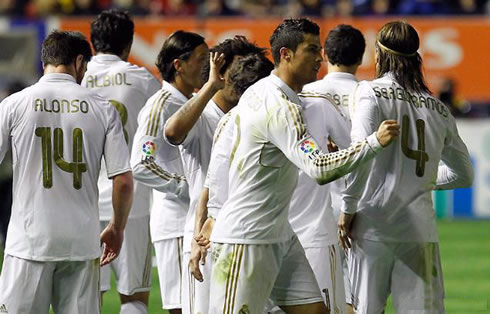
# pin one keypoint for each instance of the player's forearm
(328, 167)
(151, 174)
(122, 199)
(179, 125)
(201, 211)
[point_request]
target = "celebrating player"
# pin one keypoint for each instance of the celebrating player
(179, 62)
(59, 133)
(127, 87)
(255, 252)
(394, 235)
(192, 128)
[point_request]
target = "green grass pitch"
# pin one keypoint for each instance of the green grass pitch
(465, 254)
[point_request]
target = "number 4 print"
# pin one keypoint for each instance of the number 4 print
(77, 167)
(419, 155)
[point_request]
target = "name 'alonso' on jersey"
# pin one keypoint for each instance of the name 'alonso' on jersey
(270, 142)
(59, 132)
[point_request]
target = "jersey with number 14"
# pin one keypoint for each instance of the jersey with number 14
(127, 87)
(392, 195)
(59, 131)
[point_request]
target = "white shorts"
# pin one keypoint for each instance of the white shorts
(327, 267)
(30, 287)
(244, 276)
(410, 271)
(344, 259)
(170, 267)
(132, 267)
(196, 294)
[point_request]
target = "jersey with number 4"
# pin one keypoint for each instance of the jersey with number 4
(392, 195)
(59, 131)
(127, 87)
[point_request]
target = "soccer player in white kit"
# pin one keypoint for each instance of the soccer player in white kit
(59, 131)
(325, 104)
(179, 63)
(394, 235)
(192, 128)
(255, 251)
(127, 87)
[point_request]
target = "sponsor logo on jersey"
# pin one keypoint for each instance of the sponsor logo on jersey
(3, 309)
(244, 310)
(149, 148)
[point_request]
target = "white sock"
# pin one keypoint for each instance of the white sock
(135, 307)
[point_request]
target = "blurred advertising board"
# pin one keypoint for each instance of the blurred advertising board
(452, 47)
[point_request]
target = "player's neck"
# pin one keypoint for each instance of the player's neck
(352, 69)
(60, 69)
(183, 87)
(222, 102)
(124, 56)
(287, 77)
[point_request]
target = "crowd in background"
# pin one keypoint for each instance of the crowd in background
(249, 8)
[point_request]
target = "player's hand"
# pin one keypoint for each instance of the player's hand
(387, 132)
(111, 238)
(345, 228)
(194, 261)
(203, 238)
(332, 147)
(216, 62)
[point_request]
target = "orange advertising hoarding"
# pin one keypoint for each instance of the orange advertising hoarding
(456, 48)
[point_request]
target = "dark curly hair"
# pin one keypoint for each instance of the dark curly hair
(232, 47)
(62, 48)
(248, 70)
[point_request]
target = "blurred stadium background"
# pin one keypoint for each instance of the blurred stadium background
(455, 44)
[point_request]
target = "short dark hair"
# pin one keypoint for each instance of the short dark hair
(289, 34)
(112, 31)
(344, 45)
(248, 70)
(236, 46)
(397, 44)
(62, 48)
(178, 45)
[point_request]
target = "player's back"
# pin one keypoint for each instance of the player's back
(58, 134)
(127, 87)
(396, 204)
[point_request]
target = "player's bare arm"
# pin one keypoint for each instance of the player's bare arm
(197, 253)
(183, 120)
(122, 198)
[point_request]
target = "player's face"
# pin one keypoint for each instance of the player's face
(192, 67)
(307, 60)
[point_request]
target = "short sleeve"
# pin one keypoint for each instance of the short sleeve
(116, 153)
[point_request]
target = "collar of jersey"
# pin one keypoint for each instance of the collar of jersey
(343, 75)
(174, 91)
(106, 58)
(56, 77)
(285, 88)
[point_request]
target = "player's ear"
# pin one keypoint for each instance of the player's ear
(79, 63)
(285, 53)
(178, 65)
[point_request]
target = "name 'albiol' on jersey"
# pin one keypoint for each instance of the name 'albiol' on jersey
(61, 105)
(111, 79)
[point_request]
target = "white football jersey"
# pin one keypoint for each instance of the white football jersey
(152, 159)
(310, 213)
(127, 87)
(339, 86)
(59, 132)
(196, 152)
(392, 194)
(270, 142)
